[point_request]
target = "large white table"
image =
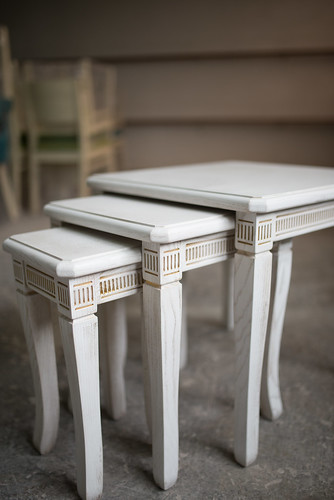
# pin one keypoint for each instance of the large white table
(272, 204)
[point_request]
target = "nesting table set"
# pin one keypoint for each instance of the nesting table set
(134, 236)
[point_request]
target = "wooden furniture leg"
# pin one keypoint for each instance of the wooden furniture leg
(184, 327)
(80, 342)
(252, 295)
(162, 332)
(8, 193)
(34, 185)
(37, 326)
(228, 291)
(271, 402)
(113, 349)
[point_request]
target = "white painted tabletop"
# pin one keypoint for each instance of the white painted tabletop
(73, 252)
(232, 185)
(141, 218)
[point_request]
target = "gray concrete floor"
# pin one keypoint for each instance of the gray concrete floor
(296, 452)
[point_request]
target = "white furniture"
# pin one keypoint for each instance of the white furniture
(272, 204)
(77, 270)
(175, 239)
(64, 126)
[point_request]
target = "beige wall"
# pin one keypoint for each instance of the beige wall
(270, 108)
(201, 80)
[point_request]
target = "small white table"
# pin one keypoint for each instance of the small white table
(272, 204)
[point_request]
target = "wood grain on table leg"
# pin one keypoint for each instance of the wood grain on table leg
(80, 342)
(162, 332)
(252, 295)
(36, 319)
(271, 402)
(113, 349)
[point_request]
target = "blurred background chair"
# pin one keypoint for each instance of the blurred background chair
(5, 182)
(8, 92)
(66, 121)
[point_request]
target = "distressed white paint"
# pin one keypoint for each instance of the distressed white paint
(252, 292)
(231, 185)
(142, 219)
(80, 342)
(37, 327)
(162, 319)
(271, 402)
(113, 348)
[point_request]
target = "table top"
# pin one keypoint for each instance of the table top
(140, 218)
(73, 252)
(231, 185)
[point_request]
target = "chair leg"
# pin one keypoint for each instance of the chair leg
(80, 342)
(8, 193)
(271, 402)
(162, 332)
(84, 189)
(37, 326)
(34, 185)
(113, 348)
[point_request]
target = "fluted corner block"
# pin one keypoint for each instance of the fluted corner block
(254, 233)
(162, 263)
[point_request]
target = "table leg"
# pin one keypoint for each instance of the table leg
(184, 327)
(113, 348)
(80, 342)
(252, 296)
(271, 402)
(228, 292)
(37, 326)
(162, 330)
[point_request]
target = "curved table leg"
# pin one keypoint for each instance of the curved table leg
(36, 319)
(271, 402)
(113, 348)
(184, 327)
(80, 342)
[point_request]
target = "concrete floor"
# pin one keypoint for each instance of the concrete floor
(296, 452)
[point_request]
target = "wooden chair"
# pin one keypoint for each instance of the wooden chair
(8, 90)
(5, 181)
(64, 126)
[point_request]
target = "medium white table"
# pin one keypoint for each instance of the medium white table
(175, 239)
(272, 204)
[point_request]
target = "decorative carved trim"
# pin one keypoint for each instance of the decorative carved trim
(302, 219)
(119, 283)
(171, 261)
(83, 295)
(204, 250)
(245, 232)
(18, 271)
(40, 281)
(63, 295)
(264, 231)
(151, 261)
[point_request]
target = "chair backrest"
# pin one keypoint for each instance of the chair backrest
(52, 103)
(6, 70)
(99, 81)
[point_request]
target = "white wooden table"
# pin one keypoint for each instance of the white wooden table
(272, 204)
(175, 238)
